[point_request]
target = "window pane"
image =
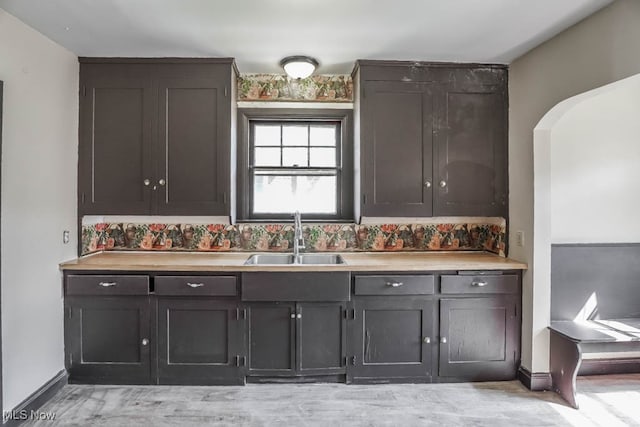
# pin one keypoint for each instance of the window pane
(286, 194)
(323, 135)
(323, 157)
(266, 157)
(295, 135)
(266, 135)
(294, 157)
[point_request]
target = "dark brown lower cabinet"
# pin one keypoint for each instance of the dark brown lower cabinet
(108, 339)
(479, 339)
(200, 341)
(391, 339)
(296, 339)
(321, 339)
(146, 329)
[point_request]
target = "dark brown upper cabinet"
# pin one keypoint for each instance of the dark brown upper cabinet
(156, 136)
(432, 139)
(397, 143)
(470, 150)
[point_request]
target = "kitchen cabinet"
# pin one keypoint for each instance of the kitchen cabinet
(432, 139)
(221, 328)
(296, 322)
(296, 339)
(108, 336)
(200, 330)
(391, 331)
(271, 336)
(200, 341)
(479, 322)
(392, 339)
(470, 146)
(189, 331)
(156, 136)
(397, 143)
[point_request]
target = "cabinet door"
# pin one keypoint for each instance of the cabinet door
(115, 143)
(321, 338)
(396, 146)
(471, 151)
(108, 340)
(391, 339)
(200, 342)
(193, 146)
(271, 337)
(479, 338)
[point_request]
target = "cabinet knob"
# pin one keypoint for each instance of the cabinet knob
(145, 342)
(427, 184)
(195, 285)
(299, 316)
(478, 284)
(162, 181)
(427, 340)
(443, 340)
(443, 183)
(107, 284)
(146, 182)
(293, 315)
(395, 284)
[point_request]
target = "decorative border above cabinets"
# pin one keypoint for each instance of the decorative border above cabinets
(279, 87)
(488, 235)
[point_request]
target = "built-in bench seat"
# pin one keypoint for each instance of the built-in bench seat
(574, 341)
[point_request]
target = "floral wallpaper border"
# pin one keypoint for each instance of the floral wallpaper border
(279, 87)
(279, 237)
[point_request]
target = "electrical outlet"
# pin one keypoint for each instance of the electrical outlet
(65, 236)
(520, 238)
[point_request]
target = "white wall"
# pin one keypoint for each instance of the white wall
(599, 50)
(39, 162)
(595, 167)
(586, 175)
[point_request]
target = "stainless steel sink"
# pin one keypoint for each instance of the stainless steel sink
(287, 259)
(269, 259)
(332, 259)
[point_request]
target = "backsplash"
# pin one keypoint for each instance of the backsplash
(489, 236)
(278, 87)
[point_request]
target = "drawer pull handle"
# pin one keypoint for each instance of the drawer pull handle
(395, 284)
(107, 284)
(479, 284)
(195, 285)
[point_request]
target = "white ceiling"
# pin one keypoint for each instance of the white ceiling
(258, 33)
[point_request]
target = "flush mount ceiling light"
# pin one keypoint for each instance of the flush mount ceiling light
(299, 67)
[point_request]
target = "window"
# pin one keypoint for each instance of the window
(296, 162)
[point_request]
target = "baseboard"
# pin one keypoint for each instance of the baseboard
(538, 381)
(23, 412)
(609, 366)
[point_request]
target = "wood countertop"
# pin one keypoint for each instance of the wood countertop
(355, 261)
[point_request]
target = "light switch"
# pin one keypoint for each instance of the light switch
(65, 236)
(520, 238)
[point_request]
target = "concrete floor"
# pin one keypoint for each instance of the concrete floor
(606, 400)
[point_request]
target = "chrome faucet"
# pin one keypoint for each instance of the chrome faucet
(298, 240)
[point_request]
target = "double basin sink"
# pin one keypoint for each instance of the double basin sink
(290, 259)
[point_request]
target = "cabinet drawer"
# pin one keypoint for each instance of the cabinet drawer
(394, 285)
(312, 286)
(107, 285)
(224, 286)
(480, 284)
